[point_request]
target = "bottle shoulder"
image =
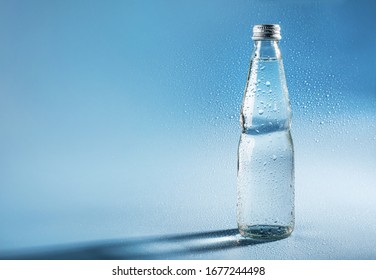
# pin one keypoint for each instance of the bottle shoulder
(266, 104)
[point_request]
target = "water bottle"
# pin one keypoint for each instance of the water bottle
(265, 191)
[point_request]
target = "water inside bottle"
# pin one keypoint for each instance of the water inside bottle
(265, 180)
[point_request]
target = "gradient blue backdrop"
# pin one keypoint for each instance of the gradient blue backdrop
(120, 119)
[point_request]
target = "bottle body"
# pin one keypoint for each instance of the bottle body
(265, 206)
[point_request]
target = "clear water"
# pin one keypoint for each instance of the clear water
(265, 185)
(265, 207)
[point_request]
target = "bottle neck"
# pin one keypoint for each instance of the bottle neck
(266, 50)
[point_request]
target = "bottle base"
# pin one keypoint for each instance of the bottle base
(266, 232)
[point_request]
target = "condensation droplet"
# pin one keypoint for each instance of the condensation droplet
(267, 83)
(261, 112)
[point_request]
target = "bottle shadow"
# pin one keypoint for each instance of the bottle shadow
(160, 247)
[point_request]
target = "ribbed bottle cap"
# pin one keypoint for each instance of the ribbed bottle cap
(266, 32)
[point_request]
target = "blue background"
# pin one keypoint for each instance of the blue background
(119, 121)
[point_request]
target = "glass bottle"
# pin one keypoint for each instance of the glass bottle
(265, 191)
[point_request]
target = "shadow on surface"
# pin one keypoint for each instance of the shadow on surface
(162, 247)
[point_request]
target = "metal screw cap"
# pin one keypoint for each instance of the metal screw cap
(266, 32)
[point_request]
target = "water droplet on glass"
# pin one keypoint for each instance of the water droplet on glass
(261, 112)
(274, 157)
(267, 83)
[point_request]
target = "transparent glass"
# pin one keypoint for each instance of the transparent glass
(265, 206)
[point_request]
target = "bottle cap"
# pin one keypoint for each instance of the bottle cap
(266, 32)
